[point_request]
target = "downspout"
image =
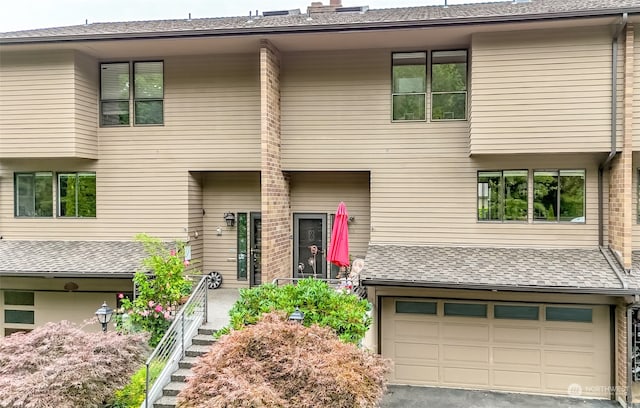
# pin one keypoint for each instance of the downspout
(614, 114)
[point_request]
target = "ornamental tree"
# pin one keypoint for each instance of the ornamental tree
(278, 363)
(59, 365)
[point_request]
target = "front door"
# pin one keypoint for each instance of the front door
(255, 276)
(309, 241)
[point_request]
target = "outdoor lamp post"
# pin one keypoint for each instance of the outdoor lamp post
(297, 316)
(104, 315)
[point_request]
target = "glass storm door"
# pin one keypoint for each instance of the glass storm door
(255, 259)
(309, 240)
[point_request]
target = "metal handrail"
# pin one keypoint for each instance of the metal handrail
(171, 348)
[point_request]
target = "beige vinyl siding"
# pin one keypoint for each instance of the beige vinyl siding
(37, 107)
(541, 91)
(86, 84)
(212, 122)
(336, 115)
(228, 191)
(212, 113)
(321, 192)
(196, 225)
(336, 110)
(636, 92)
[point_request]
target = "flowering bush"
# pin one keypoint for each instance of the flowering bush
(158, 293)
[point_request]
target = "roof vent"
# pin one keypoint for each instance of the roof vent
(358, 9)
(294, 12)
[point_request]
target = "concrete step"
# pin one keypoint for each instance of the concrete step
(166, 402)
(196, 350)
(207, 328)
(187, 362)
(203, 340)
(173, 388)
(181, 374)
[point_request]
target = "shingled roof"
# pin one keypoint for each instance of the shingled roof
(374, 18)
(557, 270)
(70, 258)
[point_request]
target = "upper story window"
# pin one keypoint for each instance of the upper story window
(503, 195)
(34, 194)
(448, 86)
(409, 85)
(148, 93)
(559, 195)
(76, 194)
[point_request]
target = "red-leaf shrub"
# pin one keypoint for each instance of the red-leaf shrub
(59, 365)
(277, 363)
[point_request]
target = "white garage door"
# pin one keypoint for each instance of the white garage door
(536, 348)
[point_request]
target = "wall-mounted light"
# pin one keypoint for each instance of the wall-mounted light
(230, 219)
(219, 231)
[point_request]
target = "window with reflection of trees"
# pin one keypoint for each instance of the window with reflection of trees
(449, 85)
(559, 195)
(503, 195)
(409, 85)
(77, 194)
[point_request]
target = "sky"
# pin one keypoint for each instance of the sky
(28, 14)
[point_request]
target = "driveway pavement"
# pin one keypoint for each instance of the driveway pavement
(401, 396)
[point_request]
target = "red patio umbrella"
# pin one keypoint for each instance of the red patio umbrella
(338, 252)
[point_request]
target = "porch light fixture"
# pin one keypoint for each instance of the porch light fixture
(230, 219)
(297, 316)
(104, 315)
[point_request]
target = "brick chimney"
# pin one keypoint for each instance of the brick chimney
(318, 7)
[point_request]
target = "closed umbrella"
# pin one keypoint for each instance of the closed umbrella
(338, 252)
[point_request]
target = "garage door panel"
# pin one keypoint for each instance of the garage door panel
(417, 351)
(512, 379)
(465, 376)
(465, 354)
(465, 331)
(507, 354)
(413, 329)
(525, 356)
(591, 385)
(416, 374)
(521, 335)
(570, 359)
(569, 337)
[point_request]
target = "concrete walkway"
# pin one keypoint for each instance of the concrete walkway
(400, 396)
(220, 302)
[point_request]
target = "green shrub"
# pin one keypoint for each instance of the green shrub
(321, 305)
(132, 395)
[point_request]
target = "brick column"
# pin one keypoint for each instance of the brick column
(621, 373)
(276, 207)
(620, 211)
(621, 174)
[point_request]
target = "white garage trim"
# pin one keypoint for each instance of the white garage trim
(510, 346)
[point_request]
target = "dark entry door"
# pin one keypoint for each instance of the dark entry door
(255, 277)
(309, 239)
